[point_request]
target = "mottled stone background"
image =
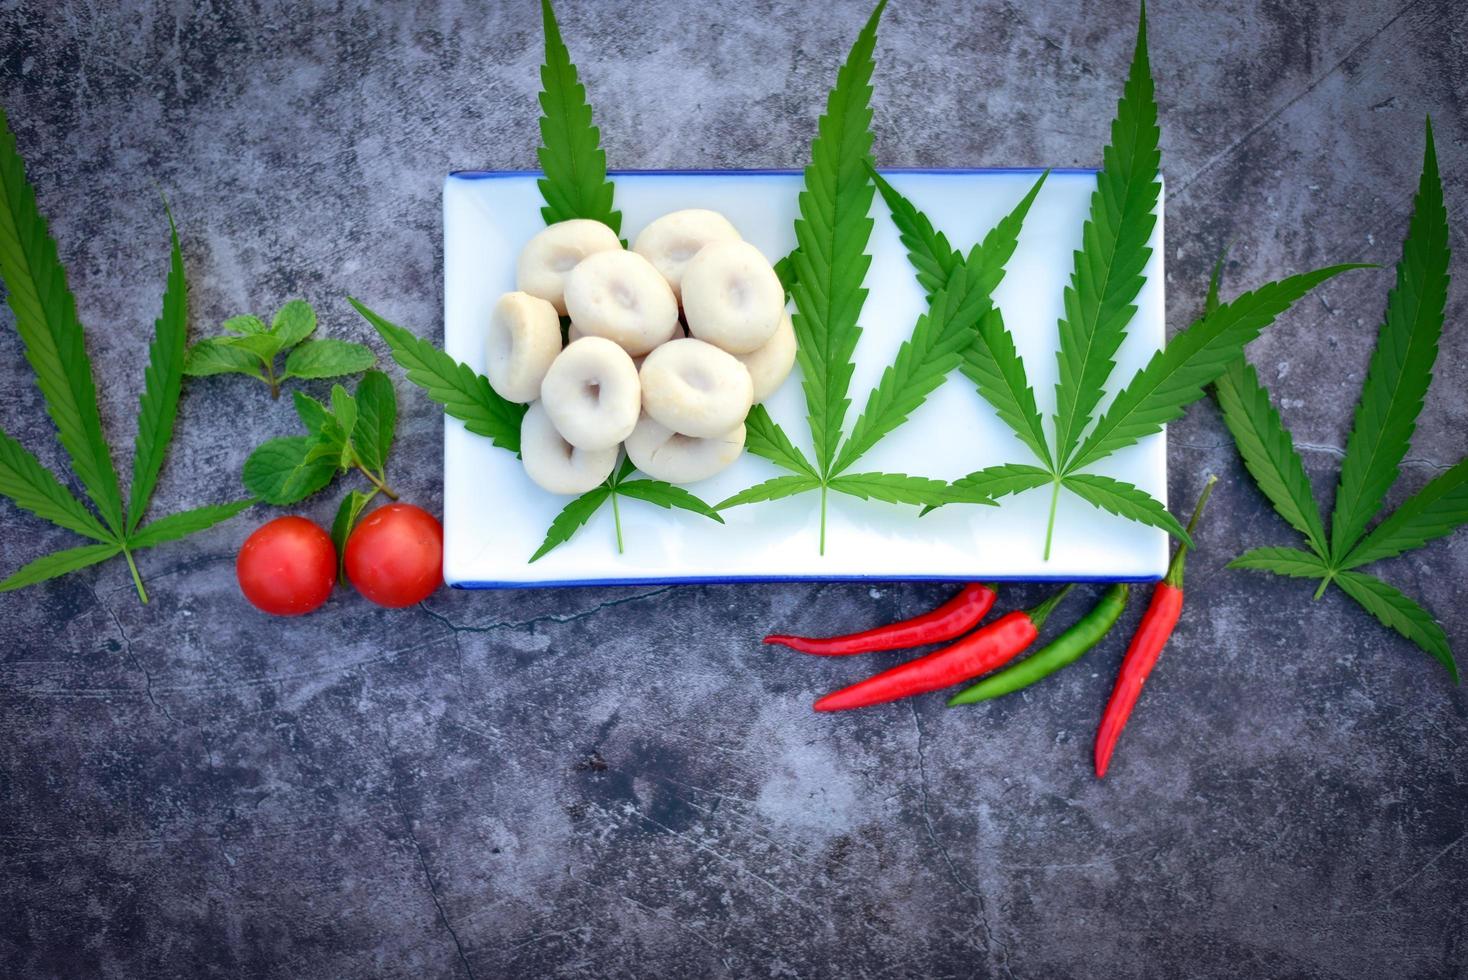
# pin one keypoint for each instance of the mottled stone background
(623, 782)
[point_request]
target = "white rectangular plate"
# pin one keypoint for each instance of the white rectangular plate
(495, 518)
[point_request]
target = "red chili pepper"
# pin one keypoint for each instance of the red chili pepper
(1146, 646)
(954, 618)
(975, 654)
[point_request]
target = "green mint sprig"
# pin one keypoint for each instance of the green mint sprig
(351, 432)
(249, 347)
(1386, 416)
(1098, 308)
(55, 347)
(825, 276)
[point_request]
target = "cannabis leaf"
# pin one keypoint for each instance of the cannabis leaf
(249, 347)
(575, 184)
(829, 267)
(55, 347)
(1106, 278)
(354, 432)
(580, 510)
(463, 392)
(1386, 415)
(1114, 251)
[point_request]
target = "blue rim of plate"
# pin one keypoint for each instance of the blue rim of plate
(793, 579)
(484, 586)
(766, 172)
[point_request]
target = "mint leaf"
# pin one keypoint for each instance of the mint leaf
(347, 514)
(377, 416)
(327, 359)
(245, 325)
(261, 345)
(279, 472)
(293, 323)
(315, 416)
(216, 355)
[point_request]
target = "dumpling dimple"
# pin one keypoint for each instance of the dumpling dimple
(556, 465)
(696, 389)
(524, 337)
(592, 394)
(549, 257)
(666, 455)
(671, 241)
(620, 296)
(732, 297)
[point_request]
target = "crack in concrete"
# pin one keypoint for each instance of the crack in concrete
(1268, 120)
(132, 656)
(557, 618)
(990, 941)
(443, 917)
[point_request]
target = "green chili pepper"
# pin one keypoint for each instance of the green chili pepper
(1066, 649)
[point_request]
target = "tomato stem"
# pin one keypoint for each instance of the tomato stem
(377, 482)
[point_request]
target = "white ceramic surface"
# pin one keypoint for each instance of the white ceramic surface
(495, 518)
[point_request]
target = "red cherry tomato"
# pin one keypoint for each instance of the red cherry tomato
(287, 567)
(395, 556)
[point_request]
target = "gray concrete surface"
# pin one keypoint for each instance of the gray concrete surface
(623, 782)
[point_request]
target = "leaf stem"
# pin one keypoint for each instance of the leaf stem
(617, 521)
(377, 482)
(823, 518)
(1324, 584)
(132, 566)
(270, 377)
(1050, 525)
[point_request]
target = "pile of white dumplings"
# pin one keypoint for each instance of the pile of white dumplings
(669, 345)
